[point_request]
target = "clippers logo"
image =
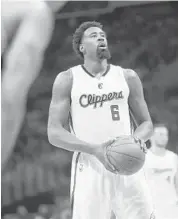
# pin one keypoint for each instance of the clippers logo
(86, 100)
(100, 85)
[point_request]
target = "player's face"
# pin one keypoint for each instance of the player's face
(94, 44)
(161, 136)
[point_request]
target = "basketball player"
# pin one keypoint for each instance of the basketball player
(95, 98)
(162, 167)
(26, 29)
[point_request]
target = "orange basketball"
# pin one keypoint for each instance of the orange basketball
(126, 155)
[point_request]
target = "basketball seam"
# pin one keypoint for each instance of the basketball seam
(122, 144)
(127, 155)
(124, 168)
(120, 165)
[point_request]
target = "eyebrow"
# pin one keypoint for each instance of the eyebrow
(97, 32)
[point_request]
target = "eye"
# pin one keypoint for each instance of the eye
(103, 35)
(94, 35)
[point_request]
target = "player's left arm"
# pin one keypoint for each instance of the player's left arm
(138, 106)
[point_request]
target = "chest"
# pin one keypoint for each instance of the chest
(89, 91)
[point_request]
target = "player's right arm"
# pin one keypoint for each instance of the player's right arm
(59, 116)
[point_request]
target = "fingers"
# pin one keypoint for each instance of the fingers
(111, 168)
(102, 156)
(144, 148)
(110, 141)
(107, 164)
(142, 144)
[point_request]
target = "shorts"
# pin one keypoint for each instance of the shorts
(96, 192)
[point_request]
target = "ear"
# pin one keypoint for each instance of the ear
(81, 48)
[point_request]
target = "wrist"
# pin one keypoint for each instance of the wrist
(93, 149)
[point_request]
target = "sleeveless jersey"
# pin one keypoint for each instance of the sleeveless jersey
(161, 171)
(99, 107)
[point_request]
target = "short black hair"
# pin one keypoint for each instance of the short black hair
(79, 34)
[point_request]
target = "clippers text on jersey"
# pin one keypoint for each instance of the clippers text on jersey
(98, 100)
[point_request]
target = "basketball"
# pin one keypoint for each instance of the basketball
(126, 155)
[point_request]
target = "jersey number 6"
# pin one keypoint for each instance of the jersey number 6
(115, 112)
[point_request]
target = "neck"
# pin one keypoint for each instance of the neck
(95, 66)
(157, 150)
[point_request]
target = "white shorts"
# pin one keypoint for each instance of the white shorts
(96, 192)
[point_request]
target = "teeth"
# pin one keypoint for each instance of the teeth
(103, 46)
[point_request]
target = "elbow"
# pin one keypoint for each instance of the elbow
(50, 136)
(54, 136)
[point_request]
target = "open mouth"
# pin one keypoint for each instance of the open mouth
(102, 46)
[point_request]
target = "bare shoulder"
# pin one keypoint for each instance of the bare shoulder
(63, 83)
(132, 78)
(64, 77)
(130, 74)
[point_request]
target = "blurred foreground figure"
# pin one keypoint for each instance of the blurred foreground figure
(26, 30)
(162, 166)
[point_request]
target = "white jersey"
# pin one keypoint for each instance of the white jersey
(99, 107)
(161, 171)
(99, 112)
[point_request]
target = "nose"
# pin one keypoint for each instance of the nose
(101, 38)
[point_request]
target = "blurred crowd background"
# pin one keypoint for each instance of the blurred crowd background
(142, 36)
